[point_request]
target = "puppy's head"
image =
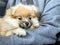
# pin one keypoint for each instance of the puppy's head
(25, 15)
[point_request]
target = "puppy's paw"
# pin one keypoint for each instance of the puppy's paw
(20, 32)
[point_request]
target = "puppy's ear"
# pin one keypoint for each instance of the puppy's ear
(8, 12)
(13, 9)
(35, 9)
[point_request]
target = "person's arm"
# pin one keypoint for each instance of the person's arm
(46, 33)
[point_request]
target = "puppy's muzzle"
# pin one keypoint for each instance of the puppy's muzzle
(25, 25)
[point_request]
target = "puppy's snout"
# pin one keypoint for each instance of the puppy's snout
(25, 25)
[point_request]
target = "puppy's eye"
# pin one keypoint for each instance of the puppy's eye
(29, 18)
(20, 18)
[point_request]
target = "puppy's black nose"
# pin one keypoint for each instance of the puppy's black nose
(27, 24)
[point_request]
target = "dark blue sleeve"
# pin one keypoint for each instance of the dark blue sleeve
(46, 33)
(2, 7)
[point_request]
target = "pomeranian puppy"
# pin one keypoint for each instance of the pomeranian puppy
(19, 18)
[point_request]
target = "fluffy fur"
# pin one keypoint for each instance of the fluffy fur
(19, 18)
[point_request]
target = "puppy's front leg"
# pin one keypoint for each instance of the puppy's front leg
(20, 32)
